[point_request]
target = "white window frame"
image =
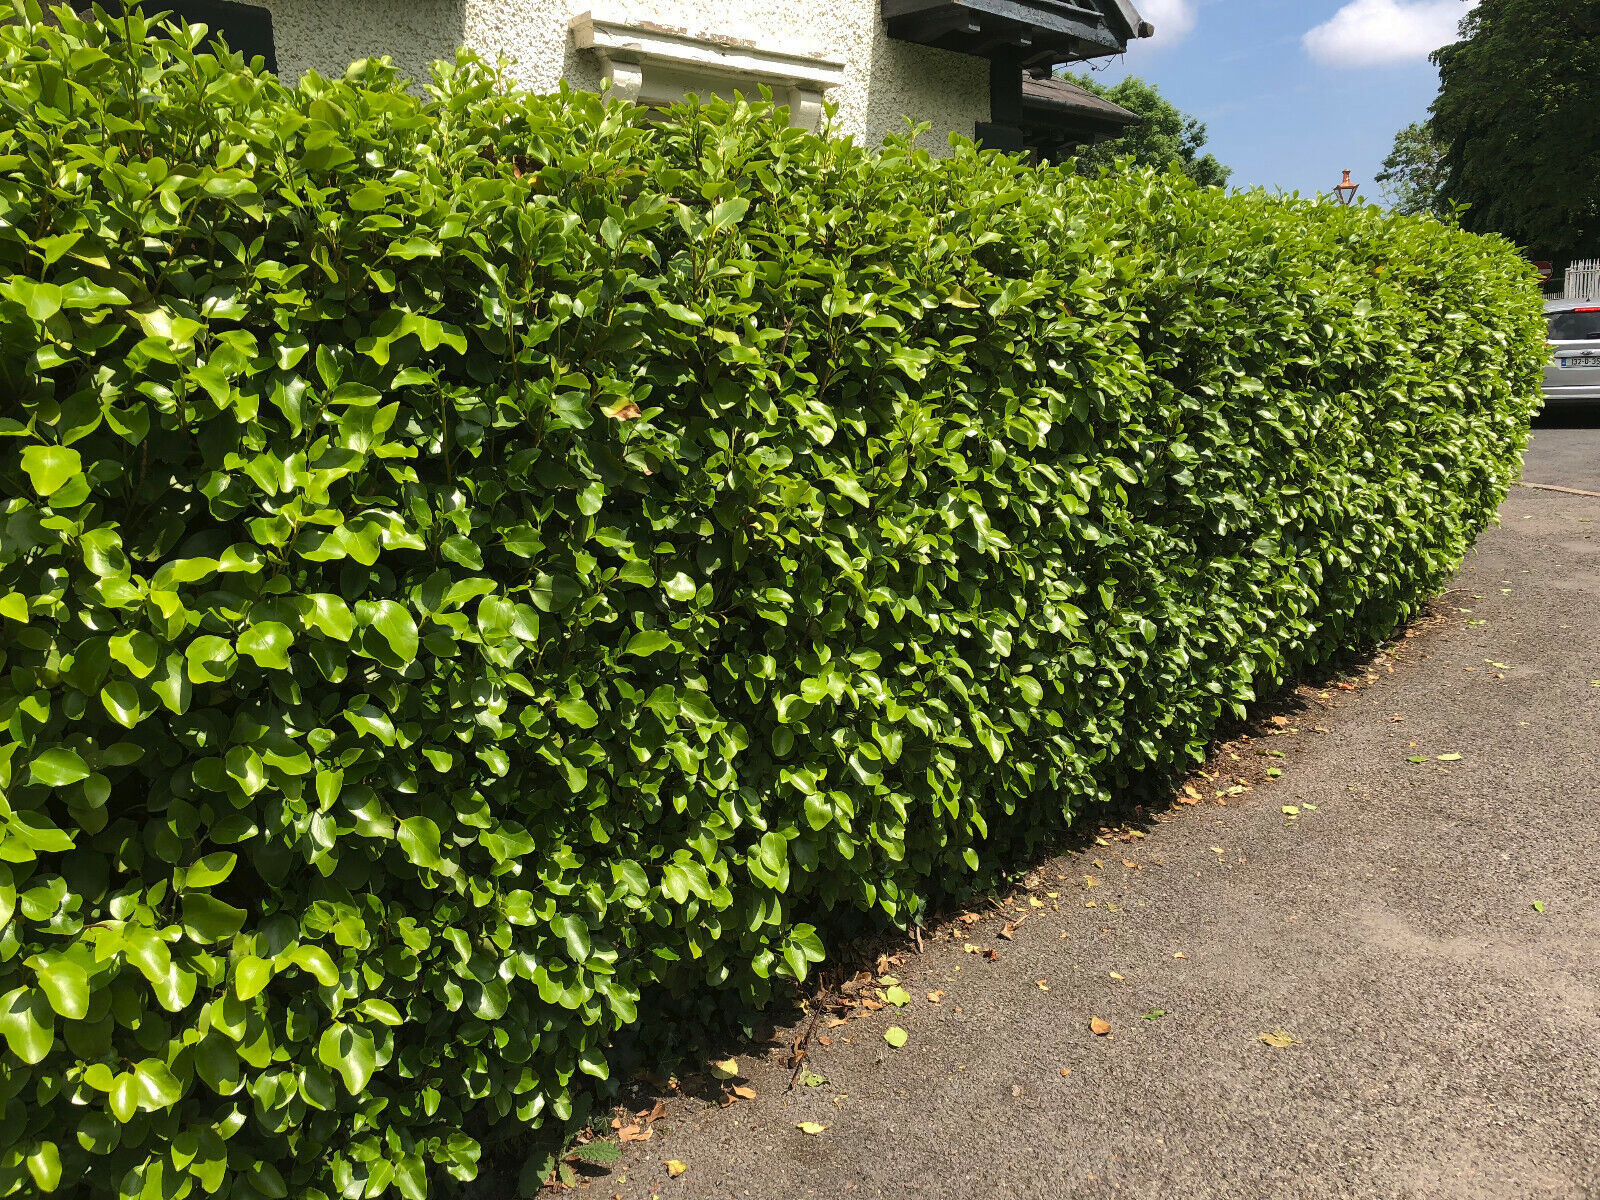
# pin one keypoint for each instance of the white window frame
(654, 63)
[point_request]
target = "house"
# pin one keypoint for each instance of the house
(978, 67)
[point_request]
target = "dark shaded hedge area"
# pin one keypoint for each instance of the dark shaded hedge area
(469, 562)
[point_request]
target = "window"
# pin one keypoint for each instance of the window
(1574, 325)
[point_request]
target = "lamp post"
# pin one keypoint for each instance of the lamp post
(1346, 191)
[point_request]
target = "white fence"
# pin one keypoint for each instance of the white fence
(1582, 280)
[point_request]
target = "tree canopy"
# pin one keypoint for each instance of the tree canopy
(1412, 179)
(1516, 116)
(1166, 134)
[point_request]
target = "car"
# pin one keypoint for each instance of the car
(1572, 376)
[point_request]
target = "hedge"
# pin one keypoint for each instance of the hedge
(471, 561)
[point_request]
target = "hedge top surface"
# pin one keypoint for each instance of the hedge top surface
(480, 571)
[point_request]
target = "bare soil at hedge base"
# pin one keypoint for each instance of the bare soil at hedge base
(1445, 1032)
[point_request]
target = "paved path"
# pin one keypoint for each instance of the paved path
(1446, 1034)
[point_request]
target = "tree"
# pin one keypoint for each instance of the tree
(1412, 179)
(1516, 114)
(1164, 136)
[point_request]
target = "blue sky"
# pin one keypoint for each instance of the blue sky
(1292, 91)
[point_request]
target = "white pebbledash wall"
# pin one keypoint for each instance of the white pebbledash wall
(804, 49)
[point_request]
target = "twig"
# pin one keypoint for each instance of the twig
(801, 1045)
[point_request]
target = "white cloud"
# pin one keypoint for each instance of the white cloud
(1173, 19)
(1370, 33)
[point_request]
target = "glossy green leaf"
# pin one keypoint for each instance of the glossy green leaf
(207, 919)
(578, 712)
(50, 467)
(58, 767)
(391, 622)
(647, 643)
(349, 1051)
(157, 1087)
(268, 644)
(65, 984)
(44, 1164)
(419, 838)
(27, 1024)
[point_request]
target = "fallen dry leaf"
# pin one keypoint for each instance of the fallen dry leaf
(971, 949)
(745, 1093)
(1035, 902)
(1180, 954)
(1279, 1038)
(824, 1040)
(632, 1133)
(1042, 985)
(935, 996)
(1065, 1071)
(992, 955)
(835, 1022)
(1281, 722)
(1114, 975)
(1099, 1027)
(1016, 1090)
(675, 1167)
(1010, 930)
(810, 1127)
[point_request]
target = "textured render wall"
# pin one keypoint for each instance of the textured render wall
(902, 80)
(885, 81)
(534, 34)
(328, 35)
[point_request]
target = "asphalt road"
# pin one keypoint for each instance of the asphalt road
(1566, 453)
(1445, 1031)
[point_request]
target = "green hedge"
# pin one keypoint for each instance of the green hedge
(471, 562)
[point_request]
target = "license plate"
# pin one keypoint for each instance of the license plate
(1570, 361)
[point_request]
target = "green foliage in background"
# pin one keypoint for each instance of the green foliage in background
(1413, 175)
(473, 564)
(1516, 117)
(1165, 136)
